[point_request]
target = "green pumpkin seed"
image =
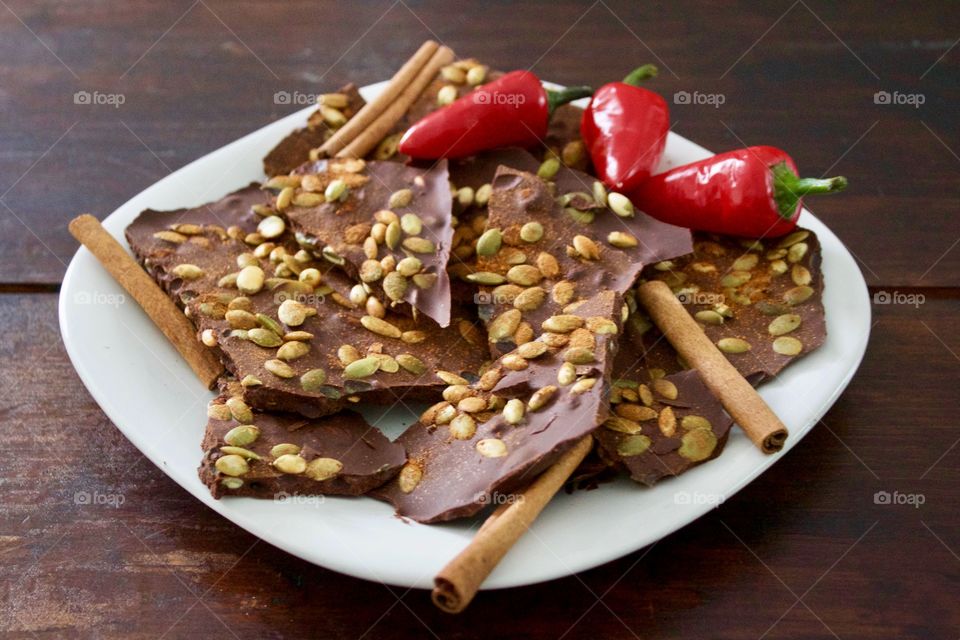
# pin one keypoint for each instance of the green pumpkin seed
(531, 232)
(787, 345)
(290, 464)
(411, 224)
(486, 278)
(504, 325)
(778, 267)
(563, 323)
(745, 263)
(541, 397)
(622, 425)
(695, 422)
(250, 280)
(513, 411)
(321, 469)
(665, 388)
(488, 244)
(733, 345)
(530, 299)
(586, 248)
(240, 319)
(419, 245)
(411, 363)
(245, 434)
(336, 190)
(264, 338)
(620, 204)
(218, 412)
(582, 386)
(633, 445)
(708, 317)
(293, 350)
(395, 285)
(409, 477)
(362, 368)
(548, 169)
(771, 308)
(188, 271)
(231, 483)
(579, 355)
(600, 193)
(800, 275)
(784, 324)
(735, 278)
(697, 444)
(283, 449)
(622, 240)
(793, 238)
(232, 465)
(409, 267)
(463, 427)
(566, 374)
(279, 368)
(312, 380)
(380, 327)
(491, 448)
(797, 295)
(239, 410)
(400, 199)
(239, 451)
(272, 226)
(482, 196)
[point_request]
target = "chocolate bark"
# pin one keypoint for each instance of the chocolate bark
(493, 437)
(195, 254)
(386, 211)
(276, 456)
(760, 301)
(559, 243)
(295, 149)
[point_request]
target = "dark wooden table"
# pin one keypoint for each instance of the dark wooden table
(805, 551)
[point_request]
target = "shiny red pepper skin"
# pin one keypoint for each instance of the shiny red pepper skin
(752, 193)
(513, 110)
(625, 129)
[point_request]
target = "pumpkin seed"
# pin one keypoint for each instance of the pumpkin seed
(541, 397)
(586, 248)
(476, 75)
(665, 388)
(232, 465)
(388, 363)
(347, 353)
(446, 95)
(239, 451)
(465, 196)
(284, 198)
(566, 374)
(370, 271)
(387, 147)
(530, 299)
(310, 277)
(633, 445)
(241, 436)
(513, 411)
(488, 244)
(486, 278)
(419, 245)
(489, 379)
(491, 448)
(400, 199)
(800, 275)
(425, 280)
(240, 319)
(321, 469)
(582, 386)
(697, 444)
(531, 232)
(250, 280)
(271, 227)
(291, 464)
(264, 338)
(409, 477)
(482, 196)
(188, 271)
(395, 285)
(620, 204)
(411, 224)
(735, 278)
(532, 350)
(250, 381)
(411, 363)
(380, 327)
(778, 267)
(563, 292)
(240, 411)
(797, 252)
(292, 313)
(446, 414)
(622, 425)
(463, 427)
(695, 422)
(231, 483)
(170, 236)
(472, 404)
(708, 317)
(413, 336)
(409, 266)
(504, 325)
(635, 412)
(667, 422)
(279, 368)
(793, 238)
(548, 169)
(283, 449)
(733, 345)
(797, 295)
(563, 323)
(312, 380)
(448, 377)
(548, 265)
(622, 240)
(787, 345)
(218, 412)
(745, 263)
(771, 308)
(362, 368)
(453, 74)
(784, 324)
(524, 275)
(602, 326)
(293, 350)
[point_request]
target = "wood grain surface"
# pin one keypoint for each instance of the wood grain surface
(803, 552)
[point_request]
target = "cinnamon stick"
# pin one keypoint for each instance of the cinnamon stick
(370, 111)
(368, 139)
(458, 582)
(165, 314)
(738, 397)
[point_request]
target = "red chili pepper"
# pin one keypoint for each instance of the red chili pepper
(753, 192)
(625, 129)
(513, 110)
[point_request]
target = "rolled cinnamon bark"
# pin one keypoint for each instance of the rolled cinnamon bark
(738, 397)
(365, 117)
(368, 139)
(458, 582)
(165, 314)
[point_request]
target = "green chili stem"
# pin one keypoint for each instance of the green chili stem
(788, 188)
(563, 96)
(638, 75)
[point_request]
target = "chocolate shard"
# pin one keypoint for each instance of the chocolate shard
(493, 437)
(760, 301)
(661, 427)
(295, 149)
(558, 245)
(385, 211)
(289, 338)
(279, 456)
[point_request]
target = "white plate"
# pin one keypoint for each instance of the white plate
(151, 395)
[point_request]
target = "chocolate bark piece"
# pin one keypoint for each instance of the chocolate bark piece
(662, 427)
(286, 336)
(557, 244)
(388, 226)
(276, 456)
(495, 436)
(295, 149)
(760, 301)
